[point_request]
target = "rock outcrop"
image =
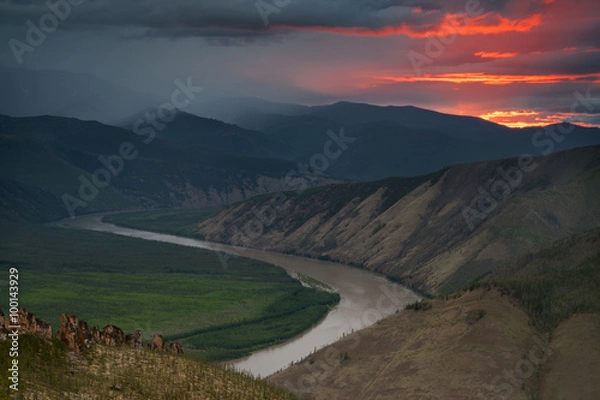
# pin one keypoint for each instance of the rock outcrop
(69, 334)
(77, 335)
(134, 339)
(28, 324)
(112, 335)
(175, 348)
(158, 343)
(96, 334)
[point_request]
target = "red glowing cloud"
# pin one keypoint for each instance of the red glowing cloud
(494, 54)
(451, 25)
(488, 79)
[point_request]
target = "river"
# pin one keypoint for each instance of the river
(365, 297)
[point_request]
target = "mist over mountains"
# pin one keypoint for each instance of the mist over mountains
(190, 158)
(383, 141)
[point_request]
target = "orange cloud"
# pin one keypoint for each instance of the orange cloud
(494, 54)
(452, 24)
(488, 79)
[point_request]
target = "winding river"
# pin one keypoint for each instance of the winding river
(365, 297)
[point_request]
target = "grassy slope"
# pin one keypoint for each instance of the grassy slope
(158, 288)
(446, 353)
(433, 354)
(46, 371)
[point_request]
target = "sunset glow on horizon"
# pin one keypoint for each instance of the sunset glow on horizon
(511, 62)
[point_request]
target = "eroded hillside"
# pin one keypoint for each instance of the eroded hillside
(434, 233)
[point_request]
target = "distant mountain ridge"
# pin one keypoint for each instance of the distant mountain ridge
(390, 140)
(101, 168)
(191, 130)
(410, 141)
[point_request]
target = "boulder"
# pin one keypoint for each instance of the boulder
(175, 348)
(158, 343)
(112, 335)
(83, 334)
(96, 334)
(134, 339)
(68, 332)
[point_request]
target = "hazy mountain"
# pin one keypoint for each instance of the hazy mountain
(434, 232)
(83, 96)
(249, 112)
(109, 168)
(191, 130)
(386, 141)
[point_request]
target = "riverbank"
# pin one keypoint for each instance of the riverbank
(365, 297)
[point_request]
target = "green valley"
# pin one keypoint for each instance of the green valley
(159, 288)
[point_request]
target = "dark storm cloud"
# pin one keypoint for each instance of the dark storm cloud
(240, 18)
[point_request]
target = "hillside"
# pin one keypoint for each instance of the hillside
(107, 168)
(477, 344)
(50, 372)
(406, 141)
(433, 233)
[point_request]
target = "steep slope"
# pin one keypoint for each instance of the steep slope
(477, 344)
(21, 202)
(436, 235)
(54, 156)
(435, 354)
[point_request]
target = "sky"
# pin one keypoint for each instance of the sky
(514, 62)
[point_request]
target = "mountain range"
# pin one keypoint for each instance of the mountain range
(382, 141)
(53, 166)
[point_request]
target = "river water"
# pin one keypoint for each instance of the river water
(365, 297)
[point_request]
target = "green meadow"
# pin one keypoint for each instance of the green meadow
(181, 293)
